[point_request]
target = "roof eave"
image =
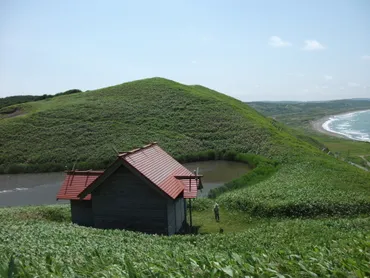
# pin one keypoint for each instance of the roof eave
(114, 166)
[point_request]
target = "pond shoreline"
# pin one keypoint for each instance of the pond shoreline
(41, 188)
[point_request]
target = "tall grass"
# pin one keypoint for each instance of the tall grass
(304, 190)
(290, 248)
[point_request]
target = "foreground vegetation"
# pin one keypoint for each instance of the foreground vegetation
(40, 242)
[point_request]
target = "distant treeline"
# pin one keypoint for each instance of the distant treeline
(8, 101)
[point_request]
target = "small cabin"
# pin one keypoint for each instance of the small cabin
(142, 190)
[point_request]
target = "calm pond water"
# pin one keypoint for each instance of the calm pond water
(39, 189)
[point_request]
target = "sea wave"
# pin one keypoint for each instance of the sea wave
(13, 190)
(345, 128)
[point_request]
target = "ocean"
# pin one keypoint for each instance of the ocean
(354, 125)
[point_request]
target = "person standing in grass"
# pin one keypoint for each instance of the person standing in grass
(216, 211)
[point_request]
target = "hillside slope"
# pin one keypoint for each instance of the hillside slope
(183, 119)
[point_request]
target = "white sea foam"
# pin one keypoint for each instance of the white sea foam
(5, 191)
(13, 190)
(21, 189)
(345, 128)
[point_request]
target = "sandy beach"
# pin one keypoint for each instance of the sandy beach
(317, 125)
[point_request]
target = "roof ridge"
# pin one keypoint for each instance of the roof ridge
(124, 154)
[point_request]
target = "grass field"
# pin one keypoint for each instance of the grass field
(299, 213)
(41, 242)
(346, 147)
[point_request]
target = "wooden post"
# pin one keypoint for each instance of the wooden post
(190, 217)
(190, 213)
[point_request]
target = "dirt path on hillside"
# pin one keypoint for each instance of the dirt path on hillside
(367, 162)
(14, 113)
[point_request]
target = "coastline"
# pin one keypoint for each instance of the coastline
(318, 124)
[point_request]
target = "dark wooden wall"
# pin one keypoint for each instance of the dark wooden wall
(124, 201)
(82, 213)
(175, 215)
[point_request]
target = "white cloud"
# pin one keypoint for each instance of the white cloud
(328, 77)
(366, 57)
(353, 84)
(275, 41)
(341, 88)
(312, 45)
(193, 62)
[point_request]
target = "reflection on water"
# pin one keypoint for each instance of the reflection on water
(39, 189)
(30, 189)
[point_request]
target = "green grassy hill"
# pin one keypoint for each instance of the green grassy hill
(302, 216)
(183, 119)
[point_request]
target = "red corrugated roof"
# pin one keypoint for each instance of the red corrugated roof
(75, 182)
(190, 192)
(160, 168)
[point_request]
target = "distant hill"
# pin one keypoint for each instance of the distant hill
(12, 100)
(365, 99)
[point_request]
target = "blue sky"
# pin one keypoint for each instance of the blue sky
(252, 50)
